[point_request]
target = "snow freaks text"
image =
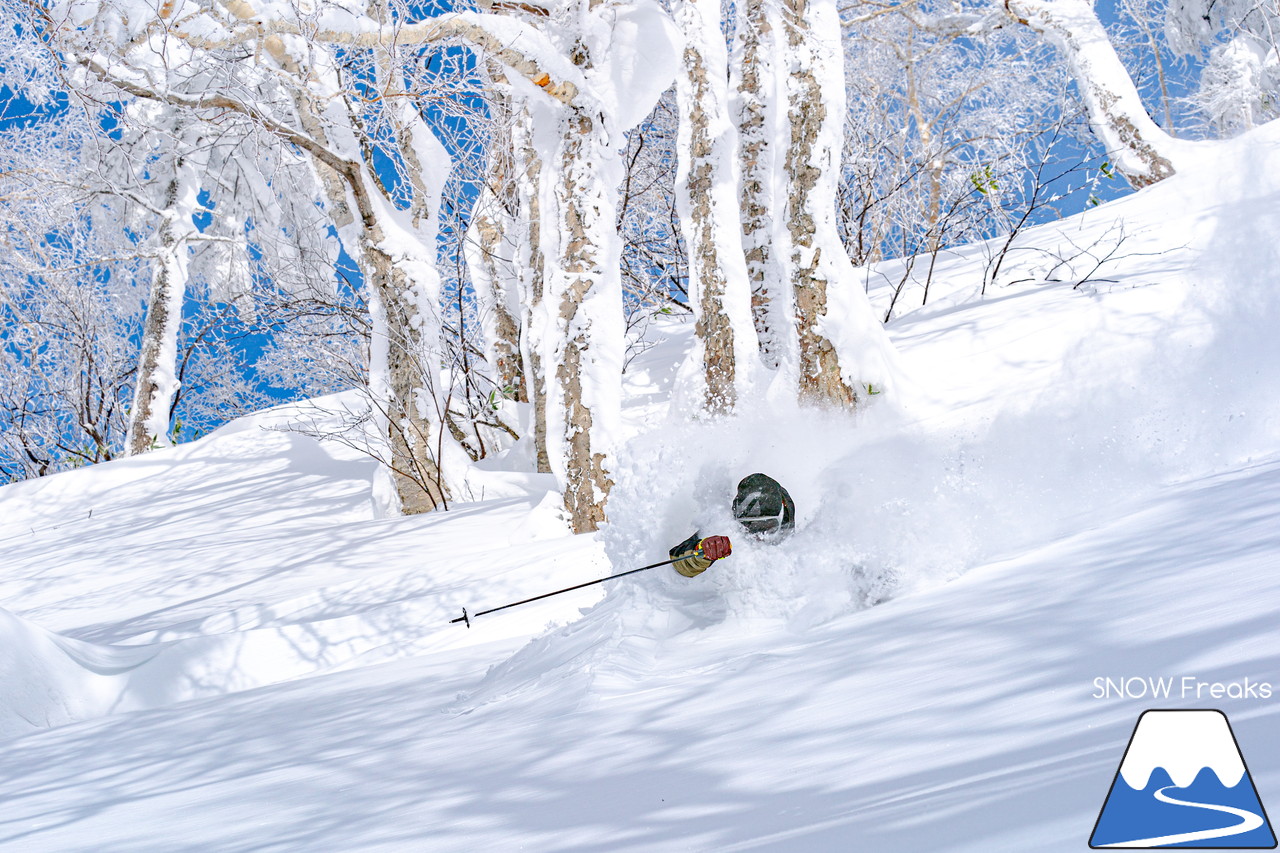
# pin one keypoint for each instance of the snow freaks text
(1184, 687)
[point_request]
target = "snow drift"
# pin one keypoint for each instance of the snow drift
(51, 680)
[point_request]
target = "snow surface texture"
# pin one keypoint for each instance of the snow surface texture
(1093, 468)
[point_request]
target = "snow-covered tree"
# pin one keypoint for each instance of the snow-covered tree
(201, 199)
(490, 254)
(68, 287)
(615, 59)
(176, 188)
(654, 260)
(759, 113)
(843, 353)
(528, 169)
(1142, 151)
(1240, 82)
(708, 194)
(942, 127)
(812, 320)
(275, 66)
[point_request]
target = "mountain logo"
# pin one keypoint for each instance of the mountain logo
(1183, 783)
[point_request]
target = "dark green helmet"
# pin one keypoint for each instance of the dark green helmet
(764, 508)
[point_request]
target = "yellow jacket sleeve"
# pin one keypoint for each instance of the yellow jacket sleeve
(692, 563)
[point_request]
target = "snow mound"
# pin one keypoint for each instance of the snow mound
(51, 680)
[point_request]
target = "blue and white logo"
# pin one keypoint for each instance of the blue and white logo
(1183, 783)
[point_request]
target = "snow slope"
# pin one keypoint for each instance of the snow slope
(229, 646)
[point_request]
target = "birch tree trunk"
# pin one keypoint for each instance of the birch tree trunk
(395, 250)
(490, 261)
(404, 281)
(624, 56)
(844, 354)
(157, 380)
(707, 180)
(760, 115)
(1142, 152)
(584, 290)
(494, 250)
(531, 266)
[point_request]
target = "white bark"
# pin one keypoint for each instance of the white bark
(707, 182)
(530, 271)
(396, 251)
(759, 108)
(156, 385)
(626, 59)
(491, 261)
(844, 354)
(583, 298)
(1140, 149)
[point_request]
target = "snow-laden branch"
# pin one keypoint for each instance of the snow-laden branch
(1142, 151)
(879, 10)
(221, 102)
(521, 48)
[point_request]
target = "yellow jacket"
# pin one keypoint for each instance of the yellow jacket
(693, 563)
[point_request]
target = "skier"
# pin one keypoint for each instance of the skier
(762, 507)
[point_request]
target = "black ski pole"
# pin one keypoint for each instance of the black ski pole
(467, 618)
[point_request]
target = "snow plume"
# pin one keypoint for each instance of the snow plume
(1233, 413)
(882, 510)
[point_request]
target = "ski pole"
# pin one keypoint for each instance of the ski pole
(467, 618)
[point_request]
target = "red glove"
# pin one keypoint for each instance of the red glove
(715, 547)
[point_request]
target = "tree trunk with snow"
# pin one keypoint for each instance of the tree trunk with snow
(157, 381)
(401, 248)
(490, 264)
(844, 354)
(530, 269)
(759, 111)
(707, 181)
(584, 290)
(622, 55)
(404, 367)
(396, 251)
(1142, 152)
(494, 251)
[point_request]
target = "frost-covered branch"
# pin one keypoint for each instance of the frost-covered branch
(221, 101)
(519, 47)
(1143, 152)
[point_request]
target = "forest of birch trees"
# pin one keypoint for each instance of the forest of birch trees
(468, 218)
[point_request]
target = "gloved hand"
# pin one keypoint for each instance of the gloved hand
(715, 547)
